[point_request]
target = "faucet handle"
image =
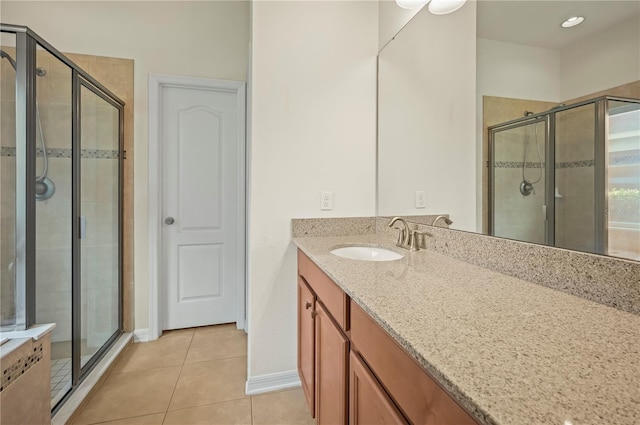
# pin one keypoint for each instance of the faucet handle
(401, 237)
(415, 240)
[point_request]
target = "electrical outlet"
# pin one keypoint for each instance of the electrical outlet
(326, 201)
(421, 199)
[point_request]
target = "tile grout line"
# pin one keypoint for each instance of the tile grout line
(251, 408)
(166, 412)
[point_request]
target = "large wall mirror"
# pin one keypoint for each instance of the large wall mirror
(515, 126)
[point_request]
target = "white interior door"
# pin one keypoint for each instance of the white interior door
(200, 136)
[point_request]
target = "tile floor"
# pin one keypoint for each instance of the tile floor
(189, 376)
(61, 378)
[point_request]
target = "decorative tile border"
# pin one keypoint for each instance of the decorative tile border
(623, 160)
(576, 164)
(66, 153)
(569, 164)
(20, 367)
(516, 164)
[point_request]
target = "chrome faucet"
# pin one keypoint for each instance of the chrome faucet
(444, 218)
(404, 236)
(407, 238)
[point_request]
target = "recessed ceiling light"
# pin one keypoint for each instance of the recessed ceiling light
(572, 22)
(411, 4)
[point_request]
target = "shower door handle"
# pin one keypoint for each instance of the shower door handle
(83, 227)
(169, 220)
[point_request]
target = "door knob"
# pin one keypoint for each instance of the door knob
(169, 220)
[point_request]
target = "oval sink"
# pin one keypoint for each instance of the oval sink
(366, 253)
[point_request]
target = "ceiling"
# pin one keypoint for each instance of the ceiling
(537, 23)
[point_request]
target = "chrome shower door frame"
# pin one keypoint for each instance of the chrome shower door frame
(549, 182)
(27, 42)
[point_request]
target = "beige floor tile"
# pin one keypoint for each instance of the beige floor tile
(282, 408)
(129, 394)
(235, 412)
(156, 419)
(210, 382)
(212, 344)
(168, 350)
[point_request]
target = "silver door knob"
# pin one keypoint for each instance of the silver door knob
(169, 220)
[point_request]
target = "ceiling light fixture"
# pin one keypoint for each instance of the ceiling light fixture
(572, 22)
(442, 7)
(411, 4)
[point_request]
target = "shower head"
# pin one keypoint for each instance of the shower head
(40, 72)
(6, 55)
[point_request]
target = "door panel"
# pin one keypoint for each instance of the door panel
(332, 351)
(200, 138)
(368, 402)
(306, 343)
(199, 165)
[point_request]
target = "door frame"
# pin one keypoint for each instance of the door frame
(157, 82)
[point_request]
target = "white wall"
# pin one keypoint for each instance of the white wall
(517, 71)
(313, 129)
(427, 110)
(391, 19)
(607, 59)
(203, 39)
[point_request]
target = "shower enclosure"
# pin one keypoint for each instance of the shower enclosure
(61, 172)
(569, 177)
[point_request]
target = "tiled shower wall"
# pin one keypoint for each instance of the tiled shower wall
(517, 216)
(99, 199)
(497, 110)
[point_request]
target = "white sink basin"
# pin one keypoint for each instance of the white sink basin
(366, 253)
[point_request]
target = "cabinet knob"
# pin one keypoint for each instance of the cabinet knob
(314, 314)
(307, 305)
(169, 220)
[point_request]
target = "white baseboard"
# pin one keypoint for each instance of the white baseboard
(141, 335)
(272, 382)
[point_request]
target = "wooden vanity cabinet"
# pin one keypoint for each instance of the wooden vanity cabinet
(306, 343)
(352, 371)
(332, 368)
(323, 347)
(415, 393)
(368, 401)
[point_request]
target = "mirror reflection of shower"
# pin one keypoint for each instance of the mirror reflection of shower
(45, 188)
(526, 186)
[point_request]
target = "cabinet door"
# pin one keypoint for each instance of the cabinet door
(369, 404)
(332, 351)
(306, 343)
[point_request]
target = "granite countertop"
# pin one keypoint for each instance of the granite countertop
(510, 351)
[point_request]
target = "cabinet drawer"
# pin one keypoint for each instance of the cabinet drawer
(330, 294)
(417, 395)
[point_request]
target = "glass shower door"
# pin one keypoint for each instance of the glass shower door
(54, 251)
(623, 179)
(518, 181)
(576, 220)
(99, 222)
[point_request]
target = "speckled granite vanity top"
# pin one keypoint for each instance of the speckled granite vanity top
(511, 352)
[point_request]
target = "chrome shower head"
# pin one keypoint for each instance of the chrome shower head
(8, 57)
(40, 72)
